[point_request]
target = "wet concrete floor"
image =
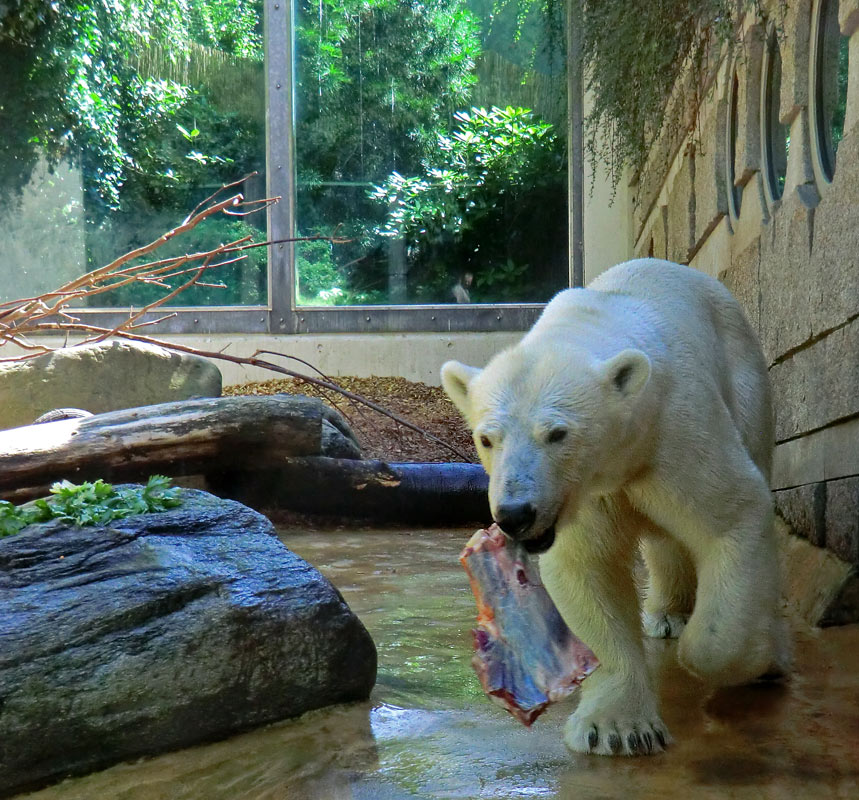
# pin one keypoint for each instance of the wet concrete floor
(429, 732)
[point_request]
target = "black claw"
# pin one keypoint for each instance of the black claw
(593, 738)
(633, 743)
(614, 743)
(647, 742)
(660, 737)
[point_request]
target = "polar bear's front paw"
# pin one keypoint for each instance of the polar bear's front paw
(615, 735)
(663, 624)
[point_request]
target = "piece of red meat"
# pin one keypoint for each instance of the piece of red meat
(525, 655)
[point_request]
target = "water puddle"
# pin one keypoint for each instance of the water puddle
(429, 732)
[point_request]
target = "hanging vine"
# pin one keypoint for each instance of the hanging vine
(636, 55)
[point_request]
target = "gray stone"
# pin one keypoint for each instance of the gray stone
(818, 385)
(833, 271)
(842, 518)
(711, 197)
(741, 278)
(787, 284)
(804, 509)
(748, 142)
(100, 377)
(795, 59)
(158, 632)
(809, 275)
(681, 213)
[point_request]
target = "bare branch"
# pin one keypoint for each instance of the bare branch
(48, 313)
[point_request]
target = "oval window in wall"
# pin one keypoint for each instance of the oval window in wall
(735, 194)
(829, 86)
(776, 136)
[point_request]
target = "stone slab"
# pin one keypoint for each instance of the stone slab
(842, 518)
(741, 277)
(681, 212)
(100, 377)
(817, 385)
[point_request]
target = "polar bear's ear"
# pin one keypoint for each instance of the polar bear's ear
(456, 378)
(627, 372)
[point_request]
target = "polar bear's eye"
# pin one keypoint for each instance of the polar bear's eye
(556, 435)
(484, 440)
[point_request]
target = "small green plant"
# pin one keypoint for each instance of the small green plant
(88, 503)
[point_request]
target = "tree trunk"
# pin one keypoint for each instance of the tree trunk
(421, 494)
(181, 438)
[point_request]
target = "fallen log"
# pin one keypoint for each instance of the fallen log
(416, 493)
(189, 437)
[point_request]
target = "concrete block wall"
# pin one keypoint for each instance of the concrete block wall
(793, 264)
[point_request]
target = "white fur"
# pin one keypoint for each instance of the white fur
(661, 388)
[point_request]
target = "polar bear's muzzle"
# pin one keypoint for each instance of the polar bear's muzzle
(541, 543)
(517, 522)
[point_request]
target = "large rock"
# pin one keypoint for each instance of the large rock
(158, 632)
(100, 377)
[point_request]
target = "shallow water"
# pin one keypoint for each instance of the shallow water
(428, 731)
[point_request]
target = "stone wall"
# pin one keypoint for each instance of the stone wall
(793, 263)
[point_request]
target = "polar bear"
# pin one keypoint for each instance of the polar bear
(637, 412)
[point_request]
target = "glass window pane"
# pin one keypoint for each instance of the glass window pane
(777, 135)
(831, 85)
(735, 193)
(115, 126)
(431, 135)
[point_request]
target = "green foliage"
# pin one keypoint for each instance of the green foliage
(96, 503)
(319, 281)
(85, 95)
(377, 81)
(480, 206)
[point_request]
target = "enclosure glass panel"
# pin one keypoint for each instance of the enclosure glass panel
(116, 122)
(777, 135)
(831, 85)
(735, 193)
(432, 137)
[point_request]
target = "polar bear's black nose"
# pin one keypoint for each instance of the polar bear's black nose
(515, 518)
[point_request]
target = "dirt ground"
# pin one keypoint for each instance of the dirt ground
(381, 437)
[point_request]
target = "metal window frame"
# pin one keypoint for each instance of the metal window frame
(282, 315)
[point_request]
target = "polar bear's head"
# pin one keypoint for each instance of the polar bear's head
(549, 426)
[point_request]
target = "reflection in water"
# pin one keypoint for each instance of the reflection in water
(428, 731)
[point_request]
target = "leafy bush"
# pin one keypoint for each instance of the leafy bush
(316, 272)
(96, 503)
(480, 206)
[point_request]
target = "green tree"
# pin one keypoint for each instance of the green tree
(480, 206)
(377, 81)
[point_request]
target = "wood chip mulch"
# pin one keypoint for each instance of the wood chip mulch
(381, 437)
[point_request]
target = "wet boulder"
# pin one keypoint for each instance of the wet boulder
(158, 632)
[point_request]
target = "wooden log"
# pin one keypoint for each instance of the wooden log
(415, 493)
(179, 438)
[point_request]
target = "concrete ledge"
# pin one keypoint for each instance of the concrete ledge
(415, 356)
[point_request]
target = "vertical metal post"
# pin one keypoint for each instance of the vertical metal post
(280, 162)
(575, 142)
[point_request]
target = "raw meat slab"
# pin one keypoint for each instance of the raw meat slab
(525, 655)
